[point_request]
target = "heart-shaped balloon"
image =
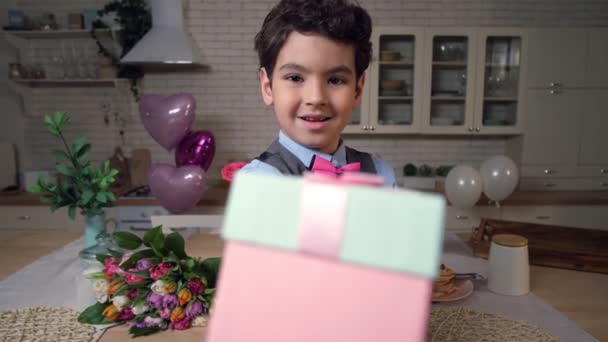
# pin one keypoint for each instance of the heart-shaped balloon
(167, 118)
(177, 189)
(196, 148)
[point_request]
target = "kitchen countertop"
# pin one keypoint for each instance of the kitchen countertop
(216, 196)
(582, 297)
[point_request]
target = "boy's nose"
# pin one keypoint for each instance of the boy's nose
(315, 94)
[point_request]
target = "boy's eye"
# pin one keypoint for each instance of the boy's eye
(294, 78)
(336, 80)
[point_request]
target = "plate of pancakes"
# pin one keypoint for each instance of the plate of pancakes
(447, 288)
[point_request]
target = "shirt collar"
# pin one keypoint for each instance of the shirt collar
(306, 154)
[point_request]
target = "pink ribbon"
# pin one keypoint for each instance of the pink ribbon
(325, 166)
(323, 206)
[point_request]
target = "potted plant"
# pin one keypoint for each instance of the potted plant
(81, 185)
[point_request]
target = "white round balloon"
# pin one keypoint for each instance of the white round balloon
(500, 177)
(463, 186)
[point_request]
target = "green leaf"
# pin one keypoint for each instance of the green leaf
(47, 198)
(101, 197)
(141, 274)
(136, 332)
(111, 197)
(211, 268)
(115, 254)
(104, 166)
(59, 118)
(65, 170)
(53, 131)
(93, 314)
(154, 238)
(175, 243)
(83, 153)
(86, 196)
(72, 212)
(60, 154)
(49, 121)
(78, 144)
(35, 189)
(126, 240)
(145, 253)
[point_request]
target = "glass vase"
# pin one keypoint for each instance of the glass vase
(96, 238)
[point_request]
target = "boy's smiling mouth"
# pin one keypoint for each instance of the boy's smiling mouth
(314, 117)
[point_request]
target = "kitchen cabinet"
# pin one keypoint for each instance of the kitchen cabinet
(596, 72)
(465, 220)
(393, 83)
(594, 122)
(38, 217)
(591, 217)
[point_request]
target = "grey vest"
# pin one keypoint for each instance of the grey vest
(288, 164)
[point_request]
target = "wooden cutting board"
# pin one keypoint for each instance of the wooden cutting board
(140, 163)
(555, 246)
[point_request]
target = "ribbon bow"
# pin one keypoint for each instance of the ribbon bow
(323, 165)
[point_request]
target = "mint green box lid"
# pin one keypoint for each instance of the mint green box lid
(385, 228)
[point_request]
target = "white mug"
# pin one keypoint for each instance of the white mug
(509, 268)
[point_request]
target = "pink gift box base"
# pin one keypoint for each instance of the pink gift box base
(272, 295)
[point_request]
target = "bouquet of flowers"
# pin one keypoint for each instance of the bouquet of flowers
(154, 288)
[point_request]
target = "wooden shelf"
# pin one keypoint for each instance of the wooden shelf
(450, 64)
(448, 98)
(407, 98)
(500, 99)
(53, 34)
(397, 63)
(70, 82)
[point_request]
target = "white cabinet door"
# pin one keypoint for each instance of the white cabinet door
(552, 128)
(594, 131)
(38, 217)
(591, 217)
(359, 120)
(466, 220)
(597, 53)
(557, 57)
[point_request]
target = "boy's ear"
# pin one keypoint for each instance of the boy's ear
(359, 90)
(266, 87)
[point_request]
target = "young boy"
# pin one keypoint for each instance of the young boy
(313, 55)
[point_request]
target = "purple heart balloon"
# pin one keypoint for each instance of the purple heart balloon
(196, 148)
(167, 118)
(177, 189)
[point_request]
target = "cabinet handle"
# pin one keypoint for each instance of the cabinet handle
(364, 128)
(543, 217)
(25, 217)
(603, 171)
(550, 172)
(470, 129)
(143, 215)
(371, 128)
(462, 217)
(554, 92)
(477, 129)
(603, 184)
(550, 185)
(555, 84)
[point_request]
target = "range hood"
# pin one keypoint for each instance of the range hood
(166, 42)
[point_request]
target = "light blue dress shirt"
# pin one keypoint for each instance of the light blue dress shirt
(306, 154)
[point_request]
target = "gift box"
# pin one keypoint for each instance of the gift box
(320, 258)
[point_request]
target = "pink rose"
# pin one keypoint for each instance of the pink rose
(111, 268)
(160, 270)
(180, 325)
(126, 314)
(132, 294)
(230, 169)
(195, 286)
(132, 279)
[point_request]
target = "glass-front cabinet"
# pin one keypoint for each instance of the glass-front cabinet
(500, 74)
(394, 83)
(450, 81)
(443, 81)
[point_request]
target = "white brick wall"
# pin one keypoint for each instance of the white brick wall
(229, 103)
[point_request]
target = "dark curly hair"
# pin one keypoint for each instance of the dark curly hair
(338, 20)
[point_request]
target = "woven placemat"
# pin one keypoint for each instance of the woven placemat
(43, 324)
(467, 324)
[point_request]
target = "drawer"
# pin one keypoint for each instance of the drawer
(591, 217)
(548, 171)
(465, 220)
(563, 184)
(593, 171)
(37, 217)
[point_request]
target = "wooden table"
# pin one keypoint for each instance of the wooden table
(580, 296)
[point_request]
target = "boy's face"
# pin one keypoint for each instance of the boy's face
(313, 89)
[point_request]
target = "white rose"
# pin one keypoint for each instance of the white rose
(199, 321)
(102, 298)
(140, 309)
(101, 287)
(120, 301)
(159, 287)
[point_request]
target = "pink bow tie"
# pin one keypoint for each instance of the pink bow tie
(323, 165)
